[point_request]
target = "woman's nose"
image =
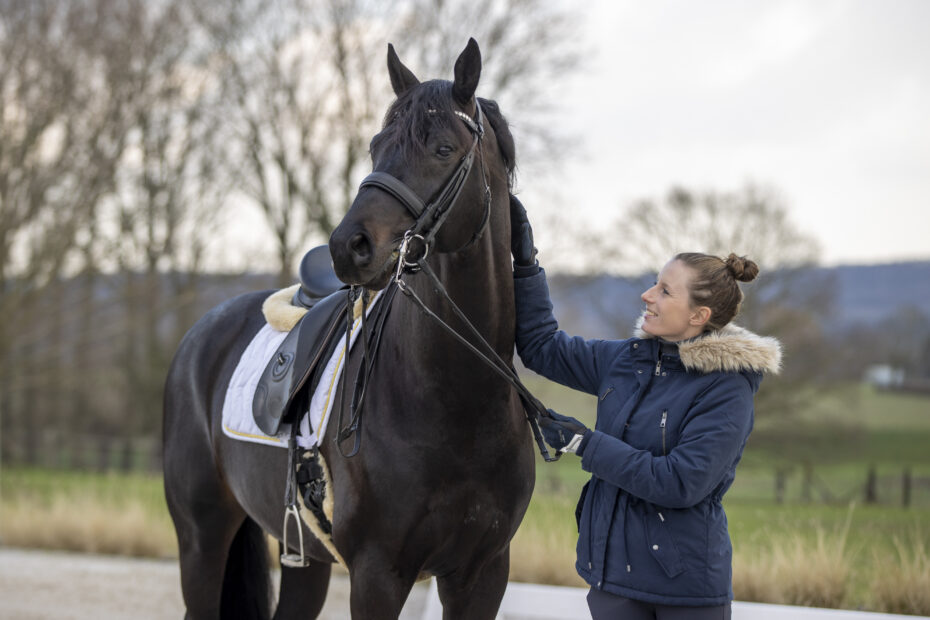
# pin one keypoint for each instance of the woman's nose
(645, 296)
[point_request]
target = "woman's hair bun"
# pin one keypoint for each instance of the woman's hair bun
(742, 269)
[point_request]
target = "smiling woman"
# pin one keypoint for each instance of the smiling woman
(695, 293)
(675, 407)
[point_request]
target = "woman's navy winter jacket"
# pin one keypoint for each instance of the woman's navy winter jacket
(672, 421)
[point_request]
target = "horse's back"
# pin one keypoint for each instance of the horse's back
(204, 362)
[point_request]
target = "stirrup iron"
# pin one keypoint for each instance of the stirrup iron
(294, 560)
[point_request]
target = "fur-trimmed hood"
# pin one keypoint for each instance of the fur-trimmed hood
(730, 349)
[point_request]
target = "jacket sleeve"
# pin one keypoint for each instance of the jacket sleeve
(543, 348)
(712, 436)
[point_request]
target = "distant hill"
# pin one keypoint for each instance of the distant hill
(606, 306)
(870, 293)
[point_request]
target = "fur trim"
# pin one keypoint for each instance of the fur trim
(731, 349)
(278, 311)
(282, 315)
(328, 505)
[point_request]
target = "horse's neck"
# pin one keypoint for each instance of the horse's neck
(480, 282)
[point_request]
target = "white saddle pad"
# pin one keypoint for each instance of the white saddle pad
(238, 422)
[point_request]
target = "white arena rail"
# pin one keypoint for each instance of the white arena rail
(526, 601)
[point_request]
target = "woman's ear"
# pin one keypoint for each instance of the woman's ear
(700, 317)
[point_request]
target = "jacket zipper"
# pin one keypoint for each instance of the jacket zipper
(658, 366)
(609, 390)
(662, 426)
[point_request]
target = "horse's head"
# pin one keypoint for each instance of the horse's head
(439, 157)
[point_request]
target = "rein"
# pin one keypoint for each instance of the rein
(531, 405)
(429, 219)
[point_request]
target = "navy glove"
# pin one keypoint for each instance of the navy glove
(521, 239)
(564, 433)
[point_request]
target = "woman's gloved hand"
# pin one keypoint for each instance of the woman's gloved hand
(521, 240)
(564, 433)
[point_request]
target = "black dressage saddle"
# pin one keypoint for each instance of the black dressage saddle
(297, 362)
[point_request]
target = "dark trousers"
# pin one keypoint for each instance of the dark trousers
(606, 606)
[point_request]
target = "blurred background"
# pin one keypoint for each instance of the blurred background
(158, 157)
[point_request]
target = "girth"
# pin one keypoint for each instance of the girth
(314, 338)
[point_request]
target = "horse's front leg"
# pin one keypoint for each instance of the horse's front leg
(378, 588)
(475, 592)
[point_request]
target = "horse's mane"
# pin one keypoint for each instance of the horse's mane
(408, 119)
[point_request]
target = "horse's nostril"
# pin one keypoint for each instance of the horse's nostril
(360, 248)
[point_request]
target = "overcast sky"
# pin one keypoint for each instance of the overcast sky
(826, 101)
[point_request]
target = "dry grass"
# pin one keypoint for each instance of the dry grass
(808, 563)
(796, 572)
(543, 551)
(797, 569)
(83, 524)
(902, 581)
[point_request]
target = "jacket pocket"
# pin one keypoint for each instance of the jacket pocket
(661, 545)
(580, 506)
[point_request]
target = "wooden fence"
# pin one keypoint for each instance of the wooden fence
(901, 487)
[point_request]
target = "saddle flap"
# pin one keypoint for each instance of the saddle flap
(296, 359)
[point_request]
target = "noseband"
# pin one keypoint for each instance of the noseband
(430, 217)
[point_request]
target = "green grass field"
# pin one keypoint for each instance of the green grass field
(839, 554)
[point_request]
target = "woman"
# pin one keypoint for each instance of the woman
(675, 407)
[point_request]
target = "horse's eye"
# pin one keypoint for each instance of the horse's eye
(445, 150)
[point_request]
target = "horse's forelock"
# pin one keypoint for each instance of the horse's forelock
(408, 119)
(407, 122)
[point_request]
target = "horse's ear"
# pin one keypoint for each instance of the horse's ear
(402, 78)
(467, 73)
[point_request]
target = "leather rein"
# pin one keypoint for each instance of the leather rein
(429, 218)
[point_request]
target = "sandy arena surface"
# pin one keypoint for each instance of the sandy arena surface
(44, 585)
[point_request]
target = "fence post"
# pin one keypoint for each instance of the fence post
(871, 484)
(906, 487)
(103, 453)
(807, 482)
(779, 485)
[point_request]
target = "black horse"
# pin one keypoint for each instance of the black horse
(446, 465)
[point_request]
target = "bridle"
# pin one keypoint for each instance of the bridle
(429, 218)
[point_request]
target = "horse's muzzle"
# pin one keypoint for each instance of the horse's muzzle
(358, 259)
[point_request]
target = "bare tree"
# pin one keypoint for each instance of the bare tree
(60, 137)
(306, 83)
(751, 221)
(166, 187)
(529, 49)
(105, 163)
(790, 300)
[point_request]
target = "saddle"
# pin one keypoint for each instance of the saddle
(312, 339)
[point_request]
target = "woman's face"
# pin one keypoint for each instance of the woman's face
(669, 313)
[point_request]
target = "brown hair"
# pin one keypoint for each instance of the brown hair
(715, 284)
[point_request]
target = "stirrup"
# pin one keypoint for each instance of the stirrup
(294, 560)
